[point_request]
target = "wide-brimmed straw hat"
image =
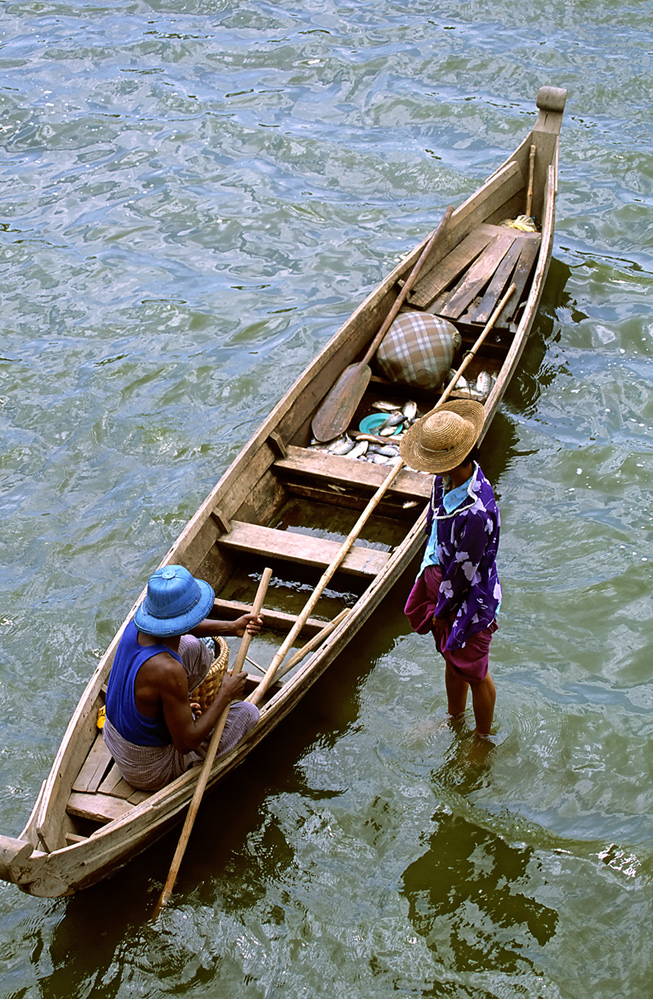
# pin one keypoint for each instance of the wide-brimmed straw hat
(175, 603)
(443, 438)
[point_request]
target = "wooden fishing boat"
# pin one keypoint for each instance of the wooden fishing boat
(283, 502)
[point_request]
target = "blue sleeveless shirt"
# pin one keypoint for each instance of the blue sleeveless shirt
(120, 701)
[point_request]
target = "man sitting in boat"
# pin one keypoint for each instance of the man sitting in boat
(150, 728)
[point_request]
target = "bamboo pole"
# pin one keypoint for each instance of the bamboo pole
(531, 178)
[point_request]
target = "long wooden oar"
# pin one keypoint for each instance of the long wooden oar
(335, 414)
(268, 679)
(210, 756)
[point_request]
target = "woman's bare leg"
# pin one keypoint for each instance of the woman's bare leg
(456, 691)
(484, 696)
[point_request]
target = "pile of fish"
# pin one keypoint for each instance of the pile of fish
(382, 446)
(478, 389)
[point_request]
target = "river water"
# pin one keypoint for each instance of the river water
(195, 194)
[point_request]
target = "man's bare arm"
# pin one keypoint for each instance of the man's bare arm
(165, 683)
(209, 628)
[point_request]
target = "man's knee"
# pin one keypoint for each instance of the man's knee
(250, 714)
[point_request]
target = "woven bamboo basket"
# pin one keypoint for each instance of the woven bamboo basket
(210, 685)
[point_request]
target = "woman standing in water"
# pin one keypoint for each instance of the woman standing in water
(457, 593)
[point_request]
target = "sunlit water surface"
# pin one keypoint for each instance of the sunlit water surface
(195, 194)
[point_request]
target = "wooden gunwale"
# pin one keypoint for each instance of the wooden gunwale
(273, 457)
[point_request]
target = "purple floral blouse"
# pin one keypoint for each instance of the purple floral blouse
(467, 544)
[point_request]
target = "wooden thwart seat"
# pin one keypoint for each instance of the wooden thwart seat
(324, 468)
(274, 619)
(301, 548)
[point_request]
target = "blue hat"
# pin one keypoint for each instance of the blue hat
(175, 603)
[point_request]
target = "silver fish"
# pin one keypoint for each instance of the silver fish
(387, 450)
(461, 385)
(386, 407)
(484, 383)
(358, 449)
(394, 419)
(341, 445)
(410, 410)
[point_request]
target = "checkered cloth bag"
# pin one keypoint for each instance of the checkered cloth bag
(418, 349)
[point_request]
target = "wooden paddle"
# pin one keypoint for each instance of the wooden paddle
(335, 414)
(210, 756)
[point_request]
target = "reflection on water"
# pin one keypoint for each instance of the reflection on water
(470, 898)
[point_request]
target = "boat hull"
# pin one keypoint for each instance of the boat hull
(79, 833)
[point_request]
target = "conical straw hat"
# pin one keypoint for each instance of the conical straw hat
(443, 438)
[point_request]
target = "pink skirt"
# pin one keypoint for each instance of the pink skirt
(471, 661)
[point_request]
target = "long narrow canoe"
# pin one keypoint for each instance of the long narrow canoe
(289, 503)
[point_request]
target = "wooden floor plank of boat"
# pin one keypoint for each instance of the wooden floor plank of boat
(301, 548)
(94, 767)
(527, 257)
(101, 808)
(481, 311)
(478, 275)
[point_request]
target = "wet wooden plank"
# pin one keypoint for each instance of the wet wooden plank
(484, 309)
(97, 807)
(451, 267)
(324, 469)
(305, 549)
(94, 767)
(529, 251)
(478, 275)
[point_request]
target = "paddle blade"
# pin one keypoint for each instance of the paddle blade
(335, 414)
